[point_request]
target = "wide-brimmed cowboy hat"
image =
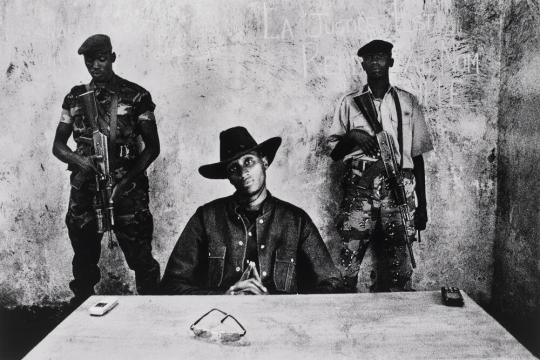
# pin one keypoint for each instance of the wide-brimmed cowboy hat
(234, 143)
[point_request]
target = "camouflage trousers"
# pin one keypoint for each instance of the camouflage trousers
(370, 217)
(133, 229)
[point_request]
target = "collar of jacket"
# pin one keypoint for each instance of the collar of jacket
(368, 89)
(233, 205)
(112, 86)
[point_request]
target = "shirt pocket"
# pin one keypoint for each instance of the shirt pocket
(216, 263)
(285, 270)
(406, 114)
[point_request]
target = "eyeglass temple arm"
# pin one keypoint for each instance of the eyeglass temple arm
(222, 320)
(202, 317)
(238, 322)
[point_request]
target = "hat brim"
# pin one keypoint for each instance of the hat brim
(218, 170)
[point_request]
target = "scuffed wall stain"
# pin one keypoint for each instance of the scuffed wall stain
(516, 294)
(276, 67)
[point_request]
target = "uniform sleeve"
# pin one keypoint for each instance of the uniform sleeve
(187, 267)
(340, 122)
(69, 101)
(421, 140)
(65, 117)
(144, 107)
(68, 104)
(316, 270)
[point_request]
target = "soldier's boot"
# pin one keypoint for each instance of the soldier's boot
(86, 244)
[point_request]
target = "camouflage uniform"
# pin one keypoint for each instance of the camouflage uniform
(369, 216)
(133, 220)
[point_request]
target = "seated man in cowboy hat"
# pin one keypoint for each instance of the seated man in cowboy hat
(249, 242)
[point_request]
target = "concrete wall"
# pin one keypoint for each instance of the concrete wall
(516, 290)
(276, 67)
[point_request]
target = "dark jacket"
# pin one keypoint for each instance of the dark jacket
(209, 254)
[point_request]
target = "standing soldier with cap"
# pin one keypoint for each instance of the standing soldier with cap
(370, 212)
(126, 118)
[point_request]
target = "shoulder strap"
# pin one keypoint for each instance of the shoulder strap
(400, 123)
(364, 102)
(100, 123)
(90, 104)
(113, 129)
(113, 113)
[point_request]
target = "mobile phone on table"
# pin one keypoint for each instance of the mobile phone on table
(451, 296)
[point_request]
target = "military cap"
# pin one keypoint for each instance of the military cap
(96, 43)
(376, 46)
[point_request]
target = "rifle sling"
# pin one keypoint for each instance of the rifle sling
(113, 121)
(399, 124)
(93, 123)
(112, 130)
(364, 102)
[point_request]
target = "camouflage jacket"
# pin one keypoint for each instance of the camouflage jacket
(134, 106)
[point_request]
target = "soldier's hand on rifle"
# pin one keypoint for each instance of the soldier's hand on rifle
(420, 218)
(86, 164)
(366, 142)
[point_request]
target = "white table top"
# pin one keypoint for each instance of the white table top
(345, 326)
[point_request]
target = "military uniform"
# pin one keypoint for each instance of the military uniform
(133, 220)
(368, 214)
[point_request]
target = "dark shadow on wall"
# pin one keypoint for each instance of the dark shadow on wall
(516, 290)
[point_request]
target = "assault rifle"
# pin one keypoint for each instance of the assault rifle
(103, 203)
(394, 179)
(387, 151)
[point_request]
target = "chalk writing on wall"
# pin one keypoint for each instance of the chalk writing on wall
(439, 63)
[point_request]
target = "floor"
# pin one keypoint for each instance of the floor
(22, 328)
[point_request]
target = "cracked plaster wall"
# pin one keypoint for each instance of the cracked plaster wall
(276, 67)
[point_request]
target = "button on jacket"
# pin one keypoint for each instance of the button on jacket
(209, 256)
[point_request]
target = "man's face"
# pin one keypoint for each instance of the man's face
(376, 65)
(99, 65)
(248, 173)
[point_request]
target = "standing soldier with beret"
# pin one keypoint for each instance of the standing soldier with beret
(370, 213)
(126, 118)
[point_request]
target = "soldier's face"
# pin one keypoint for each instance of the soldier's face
(99, 65)
(248, 173)
(376, 65)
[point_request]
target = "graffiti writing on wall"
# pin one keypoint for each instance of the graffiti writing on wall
(432, 53)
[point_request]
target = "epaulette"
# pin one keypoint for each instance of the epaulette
(78, 90)
(403, 91)
(131, 85)
(350, 93)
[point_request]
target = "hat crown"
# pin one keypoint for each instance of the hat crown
(235, 141)
(95, 43)
(375, 46)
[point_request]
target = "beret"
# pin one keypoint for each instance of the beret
(376, 46)
(95, 43)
